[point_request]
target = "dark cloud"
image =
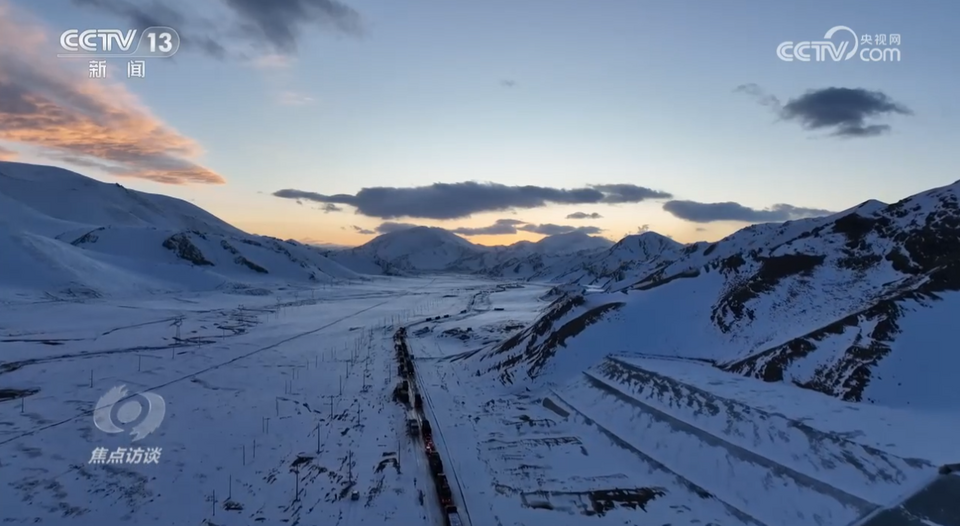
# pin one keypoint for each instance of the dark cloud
(762, 97)
(458, 200)
(627, 193)
(274, 26)
(503, 227)
(500, 227)
(280, 22)
(364, 231)
(390, 226)
(194, 31)
(584, 215)
(730, 211)
(549, 229)
(845, 111)
(330, 207)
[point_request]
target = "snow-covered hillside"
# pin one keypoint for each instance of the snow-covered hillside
(66, 235)
(681, 441)
(855, 305)
(56, 193)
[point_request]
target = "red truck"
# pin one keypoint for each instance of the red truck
(443, 491)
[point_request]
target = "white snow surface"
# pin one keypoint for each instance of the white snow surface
(612, 385)
(260, 373)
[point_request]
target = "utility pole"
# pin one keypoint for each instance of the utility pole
(296, 473)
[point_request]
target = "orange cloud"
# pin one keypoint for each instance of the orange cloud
(7, 154)
(47, 103)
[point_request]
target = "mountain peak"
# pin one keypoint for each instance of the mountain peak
(647, 239)
(571, 242)
(419, 236)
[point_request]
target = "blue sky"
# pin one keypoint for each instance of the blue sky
(548, 94)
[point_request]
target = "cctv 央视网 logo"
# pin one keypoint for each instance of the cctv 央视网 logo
(790, 51)
(840, 43)
(141, 412)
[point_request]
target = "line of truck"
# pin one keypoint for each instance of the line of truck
(407, 394)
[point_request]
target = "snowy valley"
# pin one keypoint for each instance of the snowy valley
(799, 373)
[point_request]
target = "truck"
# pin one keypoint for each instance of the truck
(443, 490)
(418, 402)
(413, 423)
(401, 394)
(452, 516)
(436, 465)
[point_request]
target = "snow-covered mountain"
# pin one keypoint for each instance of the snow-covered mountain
(562, 244)
(64, 234)
(414, 250)
(430, 249)
(857, 305)
(631, 258)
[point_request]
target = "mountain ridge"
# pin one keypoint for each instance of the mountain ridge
(67, 235)
(848, 305)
